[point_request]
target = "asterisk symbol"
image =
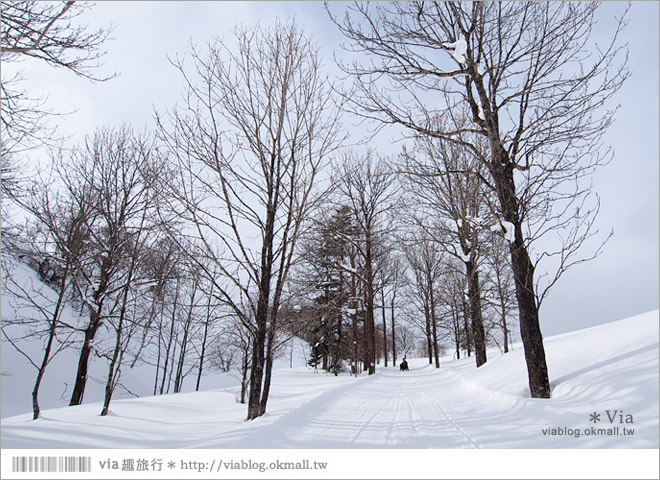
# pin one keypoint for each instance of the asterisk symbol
(171, 465)
(594, 417)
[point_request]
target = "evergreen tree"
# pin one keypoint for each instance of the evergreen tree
(333, 263)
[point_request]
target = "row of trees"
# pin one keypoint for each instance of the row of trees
(372, 248)
(103, 240)
(538, 95)
(227, 231)
(96, 241)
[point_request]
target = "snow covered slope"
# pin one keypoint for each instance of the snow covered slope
(18, 376)
(605, 395)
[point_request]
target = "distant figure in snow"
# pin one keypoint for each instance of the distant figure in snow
(403, 366)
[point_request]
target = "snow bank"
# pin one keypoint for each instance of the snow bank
(610, 370)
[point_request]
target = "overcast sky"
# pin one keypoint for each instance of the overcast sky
(622, 282)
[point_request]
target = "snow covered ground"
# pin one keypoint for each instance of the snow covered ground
(604, 380)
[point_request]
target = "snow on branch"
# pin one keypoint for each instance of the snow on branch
(506, 228)
(457, 49)
(464, 257)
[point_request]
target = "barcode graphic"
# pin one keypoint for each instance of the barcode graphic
(51, 464)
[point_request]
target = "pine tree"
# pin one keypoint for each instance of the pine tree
(332, 258)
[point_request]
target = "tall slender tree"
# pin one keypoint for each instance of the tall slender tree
(425, 262)
(256, 126)
(448, 202)
(367, 186)
(58, 238)
(116, 166)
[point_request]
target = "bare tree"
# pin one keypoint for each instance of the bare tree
(397, 276)
(48, 32)
(128, 323)
(538, 88)
(405, 339)
(189, 314)
(49, 251)
(383, 305)
(425, 265)
(167, 338)
(499, 289)
(116, 166)
(448, 202)
(390, 276)
(366, 185)
(255, 128)
(160, 262)
(240, 340)
(451, 301)
(164, 263)
(211, 315)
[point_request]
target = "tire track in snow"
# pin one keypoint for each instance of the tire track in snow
(389, 409)
(296, 428)
(373, 408)
(420, 393)
(413, 414)
(450, 420)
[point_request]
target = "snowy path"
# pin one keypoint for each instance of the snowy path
(422, 408)
(390, 409)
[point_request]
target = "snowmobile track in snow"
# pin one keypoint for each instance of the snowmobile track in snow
(391, 408)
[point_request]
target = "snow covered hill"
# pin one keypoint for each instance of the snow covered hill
(18, 376)
(605, 395)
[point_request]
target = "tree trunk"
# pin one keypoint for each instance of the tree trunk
(382, 294)
(466, 326)
(393, 330)
(90, 332)
(268, 373)
(256, 374)
(244, 370)
(505, 332)
(457, 334)
(434, 326)
(354, 331)
(160, 337)
(110, 382)
(42, 370)
(201, 355)
(474, 293)
(369, 326)
(261, 315)
(178, 379)
(44, 363)
(530, 331)
(170, 339)
(169, 375)
(337, 345)
(115, 363)
(370, 330)
(503, 300)
(49, 345)
(83, 361)
(429, 334)
(523, 273)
